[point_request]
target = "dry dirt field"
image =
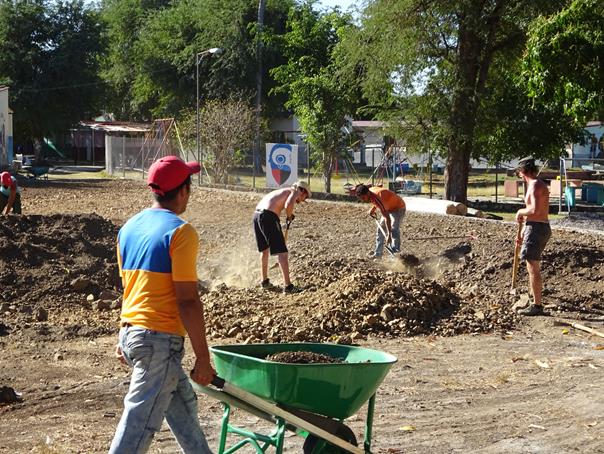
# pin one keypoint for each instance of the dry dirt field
(471, 375)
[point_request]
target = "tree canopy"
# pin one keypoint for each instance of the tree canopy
(564, 61)
(311, 79)
(434, 70)
(152, 60)
(463, 79)
(49, 57)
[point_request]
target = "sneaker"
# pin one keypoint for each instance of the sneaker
(291, 288)
(373, 255)
(267, 285)
(531, 310)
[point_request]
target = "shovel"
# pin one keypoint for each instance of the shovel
(469, 237)
(287, 224)
(516, 257)
(388, 248)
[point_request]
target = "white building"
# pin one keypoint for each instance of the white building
(582, 154)
(6, 130)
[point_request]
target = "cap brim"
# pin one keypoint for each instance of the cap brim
(194, 167)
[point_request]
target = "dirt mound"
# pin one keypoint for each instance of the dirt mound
(347, 302)
(54, 272)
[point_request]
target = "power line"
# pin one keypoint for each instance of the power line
(89, 84)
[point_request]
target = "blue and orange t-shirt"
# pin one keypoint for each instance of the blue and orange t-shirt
(155, 248)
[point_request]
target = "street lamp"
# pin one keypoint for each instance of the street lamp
(199, 57)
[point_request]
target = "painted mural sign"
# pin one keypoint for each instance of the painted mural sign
(281, 165)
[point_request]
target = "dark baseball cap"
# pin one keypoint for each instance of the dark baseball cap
(169, 172)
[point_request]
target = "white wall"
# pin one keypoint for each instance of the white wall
(6, 129)
(580, 153)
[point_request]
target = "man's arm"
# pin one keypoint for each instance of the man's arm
(11, 199)
(191, 314)
(290, 203)
(377, 203)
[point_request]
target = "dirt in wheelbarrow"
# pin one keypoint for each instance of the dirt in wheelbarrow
(471, 375)
(303, 357)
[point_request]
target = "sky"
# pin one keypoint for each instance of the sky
(343, 4)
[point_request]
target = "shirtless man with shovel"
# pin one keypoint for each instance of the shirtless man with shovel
(267, 229)
(536, 231)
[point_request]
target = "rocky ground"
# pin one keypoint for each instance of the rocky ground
(442, 306)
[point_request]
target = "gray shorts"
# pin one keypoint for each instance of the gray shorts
(536, 236)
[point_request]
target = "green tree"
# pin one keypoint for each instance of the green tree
(227, 129)
(428, 67)
(151, 63)
(320, 98)
(49, 56)
(564, 61)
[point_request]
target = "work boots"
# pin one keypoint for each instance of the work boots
(267, 285)
(291, 288)
(532, 310)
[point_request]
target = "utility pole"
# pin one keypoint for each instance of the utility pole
(256, 151)
(198, 57)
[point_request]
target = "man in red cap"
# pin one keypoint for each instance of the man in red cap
(10, 194)
(157, 258)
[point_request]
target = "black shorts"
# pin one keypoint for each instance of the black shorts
(267, 228)
(536, 236)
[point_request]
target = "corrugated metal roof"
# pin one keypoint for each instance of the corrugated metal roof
(116, 126)
(367, 124)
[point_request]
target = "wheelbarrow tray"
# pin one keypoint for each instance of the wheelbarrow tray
(336, 390)
(37, 171)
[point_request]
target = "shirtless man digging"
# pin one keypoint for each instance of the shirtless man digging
(267, 228)
(536, 231)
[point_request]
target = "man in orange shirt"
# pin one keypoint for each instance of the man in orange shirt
(393, 211)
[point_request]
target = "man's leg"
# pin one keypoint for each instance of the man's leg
(17, 205)
(396, 218)
(154, 379)
(379, 239)
(535, 238)
(183, 419)
(264, 261)
(535, 280)
(283, 260)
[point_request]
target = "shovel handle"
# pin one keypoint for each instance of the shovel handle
(516, 255)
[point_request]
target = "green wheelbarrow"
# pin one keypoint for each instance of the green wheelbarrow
(311, 399)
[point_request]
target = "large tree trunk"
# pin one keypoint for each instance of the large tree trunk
(477, 43)
(460, 149)
(327, 171)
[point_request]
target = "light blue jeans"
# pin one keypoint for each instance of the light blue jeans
(396, 217)
(158, 388)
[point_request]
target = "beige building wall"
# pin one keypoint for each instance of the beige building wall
(6, 129)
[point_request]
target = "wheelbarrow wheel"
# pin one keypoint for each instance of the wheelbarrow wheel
(316, 445)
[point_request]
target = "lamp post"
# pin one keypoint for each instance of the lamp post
(198, 58)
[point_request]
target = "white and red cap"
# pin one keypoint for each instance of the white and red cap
(6, 179)
(169, 172)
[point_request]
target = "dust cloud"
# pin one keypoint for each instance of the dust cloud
(238, 266)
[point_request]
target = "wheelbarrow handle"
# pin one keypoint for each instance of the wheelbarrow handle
(218, 382)
(271, 408)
